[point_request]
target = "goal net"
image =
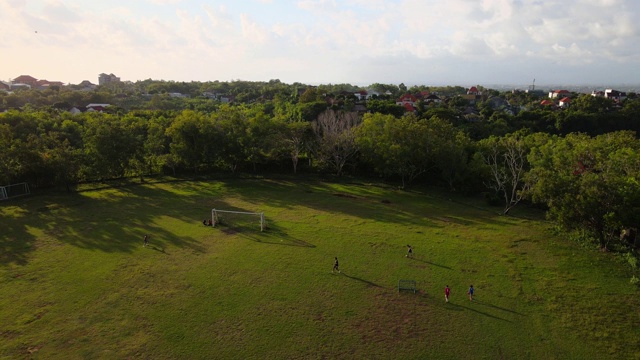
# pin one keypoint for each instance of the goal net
(13, 190)
(238, 219)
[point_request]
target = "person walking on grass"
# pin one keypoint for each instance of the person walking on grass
(145, 240)
(447, 292)
(470, 292)
(409, 251)
(335, 266)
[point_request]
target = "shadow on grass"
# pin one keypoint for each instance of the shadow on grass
(274, 235)
(362, 280)
(112, 221)
(16, 242)
(158, 249)
(430, 263)
(497, 307)
(458, 307)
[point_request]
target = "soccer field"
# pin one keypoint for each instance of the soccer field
(77, 282)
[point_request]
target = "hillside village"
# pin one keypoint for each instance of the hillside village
(127, 93)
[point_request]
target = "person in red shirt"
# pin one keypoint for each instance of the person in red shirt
(447, 292)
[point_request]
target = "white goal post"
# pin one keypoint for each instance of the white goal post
(13, 190)
(215, 216)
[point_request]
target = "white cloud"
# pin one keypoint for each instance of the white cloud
(316, 38)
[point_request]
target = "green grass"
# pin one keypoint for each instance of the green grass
(76, 282)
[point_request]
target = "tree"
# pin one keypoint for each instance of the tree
(296, 136)
(109, 146)
(189, 143)
(385, 107)
(232, 124)
(335, 138)
(591, 104)
(589, 184)
(506, 159)
(409, 147)
(395, 147)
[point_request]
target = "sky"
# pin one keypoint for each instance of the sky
(361, 42)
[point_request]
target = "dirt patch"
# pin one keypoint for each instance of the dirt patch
(385, 201)
(230, 231)
(398, 318)
(8, 334)
(34, 349)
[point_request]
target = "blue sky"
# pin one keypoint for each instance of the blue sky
(431, 42)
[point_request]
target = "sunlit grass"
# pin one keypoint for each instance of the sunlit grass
(76, 282)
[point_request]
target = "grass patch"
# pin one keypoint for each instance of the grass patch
(76, 282)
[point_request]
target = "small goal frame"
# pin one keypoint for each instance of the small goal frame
(215, 220)
(7, 192)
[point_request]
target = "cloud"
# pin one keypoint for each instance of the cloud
(307, 39)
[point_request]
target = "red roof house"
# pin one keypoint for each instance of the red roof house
(26, 79)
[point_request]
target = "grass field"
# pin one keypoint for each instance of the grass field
(76, 282)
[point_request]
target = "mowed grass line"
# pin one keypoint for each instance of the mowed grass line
(77, 283)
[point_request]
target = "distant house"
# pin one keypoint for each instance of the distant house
(565, 102)
(77, 110)
(433, 98)
(89, 108)
(615, 95)
(86, 85)
(176, 95)
(407, 99)
(26, 79)
(20, 86)
(559, 94)
(361, 95)
(472, 95)
(409, 108)
(107, 78)
(547, 103)
(97, 104)
(45, 84)
(5, 86)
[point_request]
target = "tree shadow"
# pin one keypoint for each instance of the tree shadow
(496, 307)
(459, 307)
(111, 220)
(430, 263)
(273, 235)
(362, 280)
(357, 200)
(16, 241)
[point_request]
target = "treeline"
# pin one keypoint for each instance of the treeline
(581, 164)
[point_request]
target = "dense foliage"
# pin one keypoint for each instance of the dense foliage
(581, 162)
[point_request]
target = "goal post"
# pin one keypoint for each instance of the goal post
(14, 190)
(215, 216)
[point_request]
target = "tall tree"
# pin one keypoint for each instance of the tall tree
(506, 159)
(335, 137)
